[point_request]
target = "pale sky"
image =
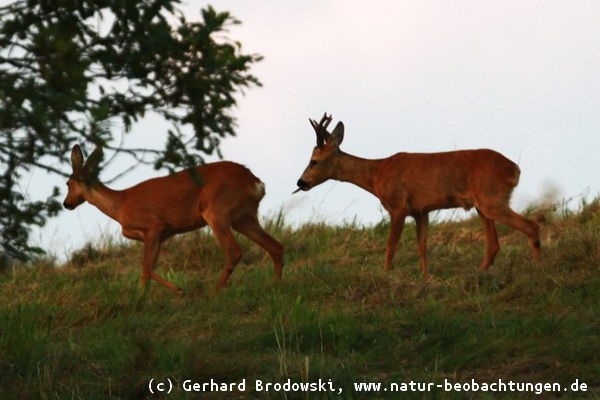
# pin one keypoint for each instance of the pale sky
(521, 77)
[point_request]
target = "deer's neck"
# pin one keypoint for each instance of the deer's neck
(356, 170)
(107, 200)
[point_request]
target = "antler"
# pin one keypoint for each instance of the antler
(321, 129)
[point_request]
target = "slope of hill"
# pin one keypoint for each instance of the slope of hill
(85, 331)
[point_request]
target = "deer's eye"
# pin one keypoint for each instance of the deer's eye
(313, 163)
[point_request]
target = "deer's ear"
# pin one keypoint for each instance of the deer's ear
(337, 136)
(77, 159)
(92, 162)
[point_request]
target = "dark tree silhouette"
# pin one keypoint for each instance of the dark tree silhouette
(88, 70)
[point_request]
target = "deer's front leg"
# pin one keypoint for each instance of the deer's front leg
(396, 228)
(152, 244)
(422, 223)
(151, 251)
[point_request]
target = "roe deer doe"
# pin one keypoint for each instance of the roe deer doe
(223, 195)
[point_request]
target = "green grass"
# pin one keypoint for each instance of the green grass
(86, 331)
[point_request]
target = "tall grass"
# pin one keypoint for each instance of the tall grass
(84, 330)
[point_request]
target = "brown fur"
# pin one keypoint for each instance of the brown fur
(413, 184)
(223, 195)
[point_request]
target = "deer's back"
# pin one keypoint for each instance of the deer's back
(427, 181)
(180, 199)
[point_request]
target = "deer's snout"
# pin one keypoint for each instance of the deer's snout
(71, 203)
(302, 185)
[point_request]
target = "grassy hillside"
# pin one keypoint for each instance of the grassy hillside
(85, 330)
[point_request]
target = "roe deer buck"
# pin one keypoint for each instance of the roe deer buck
(223, 195)
(416, 183)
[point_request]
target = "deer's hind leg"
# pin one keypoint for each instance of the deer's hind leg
(250, 226)
(507, 216)
(221, 228)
